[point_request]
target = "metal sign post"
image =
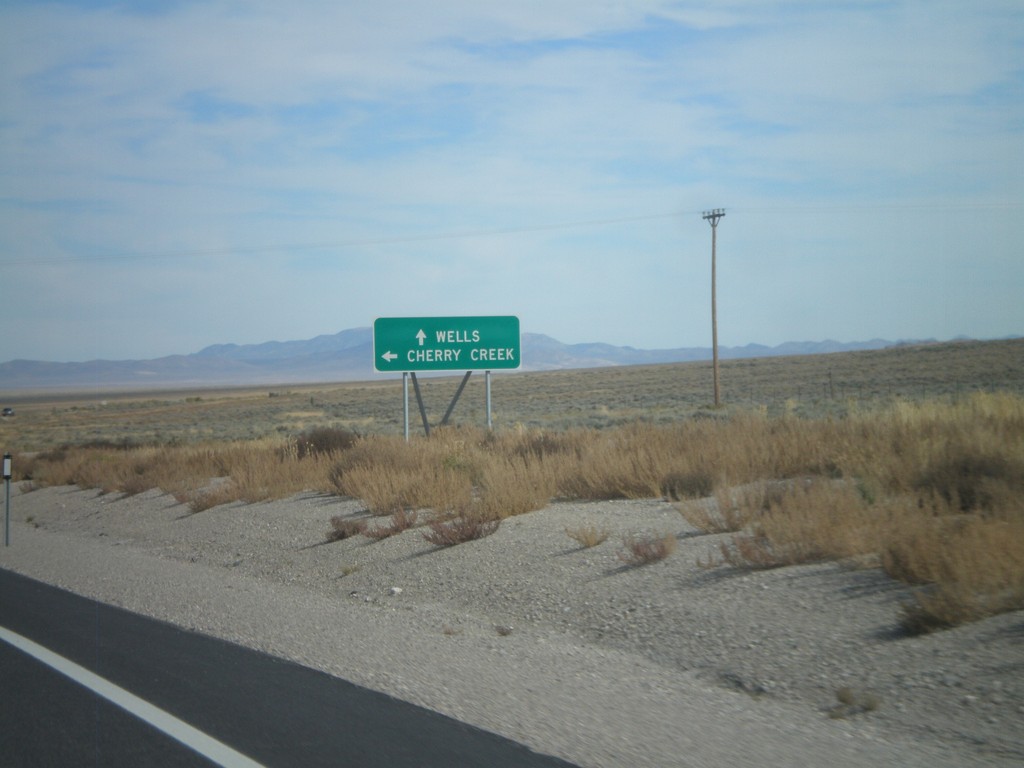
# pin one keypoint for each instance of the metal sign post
(487, 378)
(405, 402)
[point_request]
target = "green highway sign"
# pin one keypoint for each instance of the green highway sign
(446, 343)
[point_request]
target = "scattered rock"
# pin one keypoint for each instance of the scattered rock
(791, 638)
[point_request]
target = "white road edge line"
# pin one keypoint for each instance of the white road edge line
(181, 731)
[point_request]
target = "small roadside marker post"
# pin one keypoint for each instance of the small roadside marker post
(7, 499)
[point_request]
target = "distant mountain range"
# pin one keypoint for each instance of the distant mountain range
(347, 356)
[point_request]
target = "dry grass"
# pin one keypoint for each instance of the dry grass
(459, 530)
(731, 509)
(588, 536)
(692, 485)
(207, 498)
(645, 549)
(382, 473)
(324, 441)
(401, 520)
(933, 491)
(967, 567)
(345, 528)
(853, 702)
(549, 402)
(512, 485)
(808, 521)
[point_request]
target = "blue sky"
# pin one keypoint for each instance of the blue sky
(179, 174)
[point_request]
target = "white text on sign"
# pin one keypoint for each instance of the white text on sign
(483, 354)
(458, 337)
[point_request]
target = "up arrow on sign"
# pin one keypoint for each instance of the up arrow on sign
(421, 336)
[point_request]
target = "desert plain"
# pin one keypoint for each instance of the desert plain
(569, 649)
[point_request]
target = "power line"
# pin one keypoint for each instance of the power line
(496, 232)
(356, 243)
(997, 205)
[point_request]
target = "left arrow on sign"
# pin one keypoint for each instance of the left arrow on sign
(389, 356)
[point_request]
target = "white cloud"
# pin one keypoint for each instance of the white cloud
(198, 137)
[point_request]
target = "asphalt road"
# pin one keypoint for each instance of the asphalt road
(275, 712)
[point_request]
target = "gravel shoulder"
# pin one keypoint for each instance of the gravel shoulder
(565, 649)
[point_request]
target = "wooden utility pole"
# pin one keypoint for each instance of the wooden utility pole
(712, 217)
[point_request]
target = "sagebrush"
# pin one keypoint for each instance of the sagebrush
(644, 549)
(932, 491)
